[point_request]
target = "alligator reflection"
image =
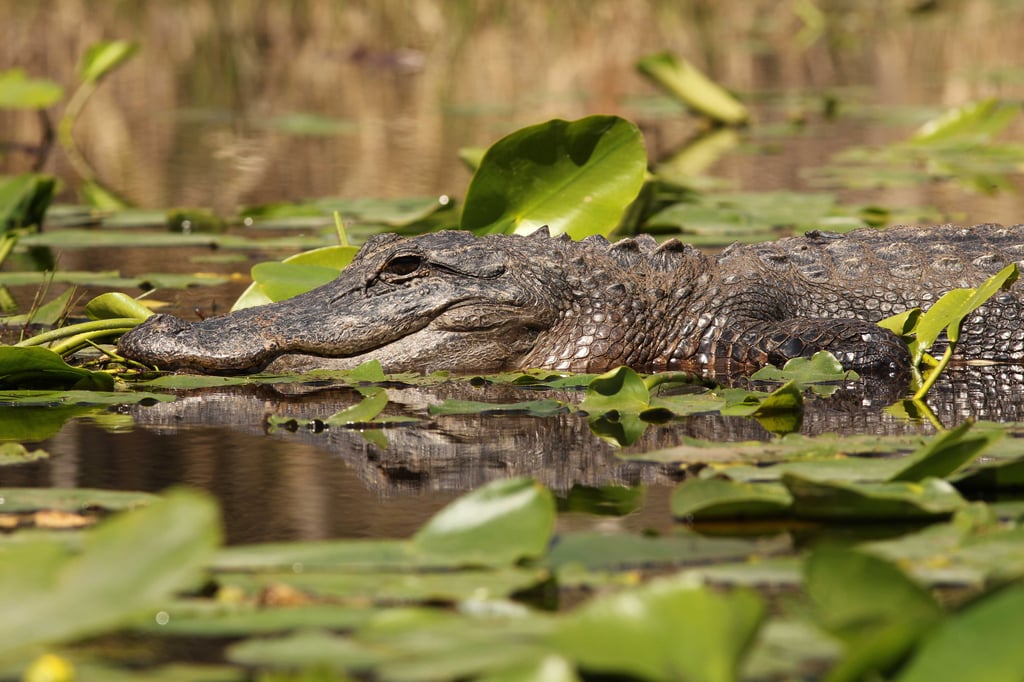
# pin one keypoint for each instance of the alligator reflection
(457, 453)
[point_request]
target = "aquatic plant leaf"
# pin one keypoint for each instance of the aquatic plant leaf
(702, 499)
(869, 603)
(947, 453)
(695, 90)
(729, 215)
(111, 278)
(388, 587)
(621, 390)
(972, 123)
(982, 642)
(103, 57)
(16, 453)
(596, 551)
(533, 408)
(306, 649)
(126, 565)
(333, 555)
(203, 618)
(49, 313)
(788, 447)
(114, 304)
(24, 200)
(669, 629)
(930, 498)
(576, 177)
(276, 281)
(71, 499)
(35, 367)
(992, 476)
(79, 398)
(496, 524)
(822, 366)
(366, 410)
(606, 500)
(18, 91)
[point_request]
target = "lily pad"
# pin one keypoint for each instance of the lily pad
(575, 177)
(669, 629)
(683, 80)
(498, 523)
(706, 499)
(39, 367)
(127, 564)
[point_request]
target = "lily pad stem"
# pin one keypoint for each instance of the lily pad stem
(107, 327)
(929, 381)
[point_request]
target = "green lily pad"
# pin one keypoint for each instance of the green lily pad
(127, 564)
(71, 499)
(947, 453)
(374, 400)
(496, 524)
(871, 605)
(669, 629)
(705, 499)
(980, 643)
(930, 498)
(39, 367)
(822, 366)
(575, 177)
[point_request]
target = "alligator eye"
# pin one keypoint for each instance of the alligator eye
(401, 266)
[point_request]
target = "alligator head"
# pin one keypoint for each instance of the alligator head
(446, 300)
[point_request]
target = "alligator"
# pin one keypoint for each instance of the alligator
(453, 301)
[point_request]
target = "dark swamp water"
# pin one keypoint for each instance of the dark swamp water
(204, 116)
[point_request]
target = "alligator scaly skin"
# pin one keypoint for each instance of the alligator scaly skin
(449, 300)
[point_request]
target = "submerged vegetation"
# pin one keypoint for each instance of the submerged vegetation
(795, 557)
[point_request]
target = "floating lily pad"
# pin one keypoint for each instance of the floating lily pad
(533, 408)
(706, 499)
(498, 523)
(127, 564)
(670, 629)
(71, 499)
(39, 367)
(16, 453)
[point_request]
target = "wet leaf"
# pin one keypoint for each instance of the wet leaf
(669, 629)
(111, 278)
(498, 523)
(42, 368)
(930, 498)
(822, 366)
(575, 177)
(981, 643)
(729, 215)
(684, 81)
(705, 499)
(947, 453)
(621, 390)
(18, 91)
(127, 564)
(103, 57)
(366, 410)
